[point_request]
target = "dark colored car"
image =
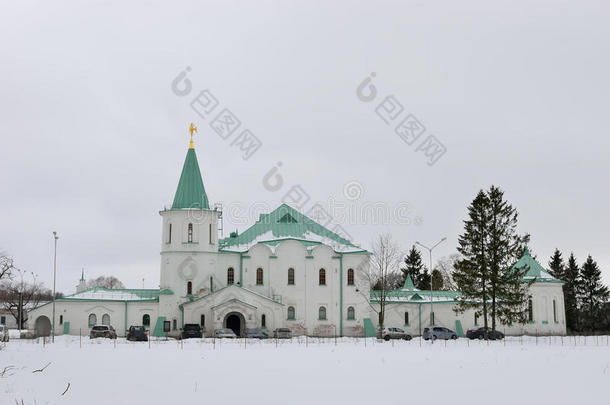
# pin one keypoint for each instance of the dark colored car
(137, 333)
(480, 334)
(102, 331)
(255, 333)
(191, 330)
(282, 333)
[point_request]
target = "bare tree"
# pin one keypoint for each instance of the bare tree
(20, 294)
(6, 267)
(383, 272)
(110, 282)
(445, 265)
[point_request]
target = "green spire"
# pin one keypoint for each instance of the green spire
(190, 192)
(409, 284)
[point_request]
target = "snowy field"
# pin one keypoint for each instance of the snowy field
(350, 371)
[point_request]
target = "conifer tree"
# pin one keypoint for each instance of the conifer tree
(413, 267)
(571, 277)
(423, 282)
(556, 265)
(437, 280)
(592, 293)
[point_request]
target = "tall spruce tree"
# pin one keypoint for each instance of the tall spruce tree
(592, 293)
(413, 266)
(437, 280)
(571, 277)
(472, 274)
(489, 247)
(556, 265)
(508, 291)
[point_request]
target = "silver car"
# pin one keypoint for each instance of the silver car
(438, 332)
(393, 333)
(282, 333)
(224, 333)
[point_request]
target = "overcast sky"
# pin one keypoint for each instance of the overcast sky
(93, 137)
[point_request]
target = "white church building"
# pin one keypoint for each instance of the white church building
(286, 270)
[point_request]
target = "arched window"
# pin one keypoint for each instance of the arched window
(350, 276)
(230, 276)
(146, 320)
(406, 318)
(92, 320)
(106, 319)
(263, 321)
(190, 233)
(351, 313)
(210, 234)
(476, 319)
(61, 318)
(291, 314)
(202, 321)
(175, 324)
(555, 319)
(530, 310)
(189, 288)
(291, 276)
(259, 276)
(322, 313)
(322, 277)
(169, 233)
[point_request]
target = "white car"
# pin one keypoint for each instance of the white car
(3, 333)
(224, 333)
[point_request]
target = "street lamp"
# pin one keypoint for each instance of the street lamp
(430, 251)
(55, 237)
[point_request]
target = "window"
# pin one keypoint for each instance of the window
(230, 276)
(322, 277)
(431, 318)
(105, 319)
(175, 324)
(350, 276)
(476, 319)
(146, 320)
(190, 233)
(189, 288)
(2, 320)
(351, 313)
(169, 233)
(322, 313)
(530, 310)
(259, 276)
(263, 321)
(555, 311)
(210, 233)
(291, 314)
(61, 319)
(406, 318)
(202, 321)
(92, 320)
(291, 276)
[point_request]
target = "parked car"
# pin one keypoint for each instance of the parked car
(191, 330)
(104, 331)
(255, 333)
(224, 334)
(3, 333)
(393, 333)
(282, 333)
(438, 332)
(480, 334)
(137, 333)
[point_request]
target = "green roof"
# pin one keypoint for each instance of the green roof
(409, 286)
(190, 192)
(285, 223)
(534, 269)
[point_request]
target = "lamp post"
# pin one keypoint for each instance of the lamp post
(430, 251)
(55, 237)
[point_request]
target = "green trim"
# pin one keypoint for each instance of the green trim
(291, 319)
(190, 193)
(545, 322)
(341, 295)
(322, 319)
(182, 315)
(369, 328)
(158, 331)
(125, 317)
(273, 257)
(530, 322)
(458, 328)
(309, 257)
(190, 243)
(66, 328)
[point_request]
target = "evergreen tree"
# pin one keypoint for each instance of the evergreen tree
(472, 274)
(508, 291)
(437, 280)
(423, 282)
(571, 276)
(413, 267)
(556, 265)
(592, 293)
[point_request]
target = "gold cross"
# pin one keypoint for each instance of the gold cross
(192, 129)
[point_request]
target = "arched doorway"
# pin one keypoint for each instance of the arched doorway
(42, 326)
(236, 322)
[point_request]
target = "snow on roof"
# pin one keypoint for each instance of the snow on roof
(106, 294)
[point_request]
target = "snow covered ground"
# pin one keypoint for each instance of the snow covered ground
(523, 371)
